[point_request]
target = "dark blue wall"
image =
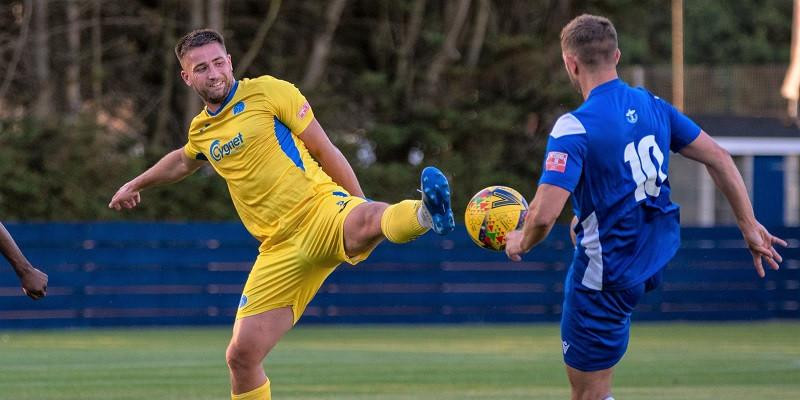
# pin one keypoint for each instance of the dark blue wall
(105, 274)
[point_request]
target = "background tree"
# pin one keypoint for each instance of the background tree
(91, 95)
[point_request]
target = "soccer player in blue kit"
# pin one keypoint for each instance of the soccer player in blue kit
(612, 155)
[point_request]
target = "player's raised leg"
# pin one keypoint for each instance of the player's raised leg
(369, 223)
(595, 385)
(253, 337)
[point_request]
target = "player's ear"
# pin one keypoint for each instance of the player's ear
(617, 55)
(570, 63)
(185, 77)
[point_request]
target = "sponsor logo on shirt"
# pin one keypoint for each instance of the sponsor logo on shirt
(219, 151)
(556, 161)
(243, 301)
(631, 116)
(303, 110)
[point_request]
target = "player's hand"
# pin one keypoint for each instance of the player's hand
(514, 245)
(762, 246)
(34, 283)
(125, 198)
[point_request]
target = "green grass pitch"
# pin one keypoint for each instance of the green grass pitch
(759, 360)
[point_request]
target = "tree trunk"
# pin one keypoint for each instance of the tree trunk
(73, 69)
(41, 59)
(193, 104)
(216, 15)
(479, 34)
(448, 52)
(160, 134)
(97, 54)
(322, 45)
(258, 40)
(20, 46)
(406, 52)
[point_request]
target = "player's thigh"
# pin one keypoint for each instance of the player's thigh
(595, 325)
(255, 335)
(337, 219)
(287, 274)
(595, 385)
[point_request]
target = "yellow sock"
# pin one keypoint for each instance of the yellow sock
(400, 223)
(260, 393)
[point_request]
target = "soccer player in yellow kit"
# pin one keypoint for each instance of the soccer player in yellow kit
(293, 190)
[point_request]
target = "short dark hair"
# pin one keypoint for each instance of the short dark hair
(197, 38)
(591, 38)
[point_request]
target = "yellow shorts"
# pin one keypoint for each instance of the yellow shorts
(290, 272)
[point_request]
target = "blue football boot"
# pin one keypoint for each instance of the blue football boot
(436, 199)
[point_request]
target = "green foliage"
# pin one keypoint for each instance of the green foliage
(483, 125)
(69, 173)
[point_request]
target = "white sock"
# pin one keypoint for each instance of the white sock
(424, 218)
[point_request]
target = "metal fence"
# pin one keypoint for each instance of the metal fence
(741, 90)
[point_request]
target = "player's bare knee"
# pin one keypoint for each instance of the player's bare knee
(364, 223)
(239, 358)
(596, 392)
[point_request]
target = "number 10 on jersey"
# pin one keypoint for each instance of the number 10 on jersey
(643, 169)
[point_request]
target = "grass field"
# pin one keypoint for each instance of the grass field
(665, 361)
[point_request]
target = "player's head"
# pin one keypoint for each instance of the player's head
(589, 44)
(205, 64)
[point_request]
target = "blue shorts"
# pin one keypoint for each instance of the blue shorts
(595, 325)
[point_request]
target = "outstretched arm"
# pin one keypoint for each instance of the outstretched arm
(330, 158)
(726, 177)
(171, 168)
(545, 208)
(33, 281)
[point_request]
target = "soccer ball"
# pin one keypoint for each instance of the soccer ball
(492, 213)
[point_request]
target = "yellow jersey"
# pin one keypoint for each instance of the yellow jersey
(251, 141)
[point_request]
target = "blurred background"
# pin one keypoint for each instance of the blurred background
(90, 96)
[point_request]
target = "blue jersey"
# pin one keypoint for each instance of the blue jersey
(612, 154)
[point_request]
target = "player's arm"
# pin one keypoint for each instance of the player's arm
(173, 167)
(542, 213)
(330, 158)
(726, 177)
(33, 281)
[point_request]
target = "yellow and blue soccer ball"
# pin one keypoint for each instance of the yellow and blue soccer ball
(492, 213)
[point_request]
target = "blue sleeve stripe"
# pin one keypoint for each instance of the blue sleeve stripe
(284, 136)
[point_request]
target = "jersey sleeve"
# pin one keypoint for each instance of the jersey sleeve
(566, 149)
(290, 106)
(193, 152)
(683, 129)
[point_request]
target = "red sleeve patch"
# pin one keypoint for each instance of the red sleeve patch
(556, 161)
(303, 110)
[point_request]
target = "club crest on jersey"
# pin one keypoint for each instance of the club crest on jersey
(219, 151)
(631, 116)
(238, 107)
(556, 161)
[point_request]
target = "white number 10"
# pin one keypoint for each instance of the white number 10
(642, 167)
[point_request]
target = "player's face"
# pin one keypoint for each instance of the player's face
(208, 70)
